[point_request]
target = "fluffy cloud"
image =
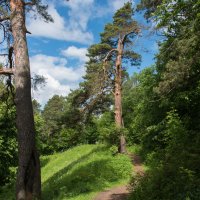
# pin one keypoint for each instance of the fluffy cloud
(80, 12)
(73, 29)
(116, 4)
(59, 77)
(74, 25)
(77, 53)
(70, 26)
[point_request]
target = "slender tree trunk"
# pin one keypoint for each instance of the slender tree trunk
(118, 96)
(28, 185)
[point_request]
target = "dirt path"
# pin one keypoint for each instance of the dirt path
(121, 192)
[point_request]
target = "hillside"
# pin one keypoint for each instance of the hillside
(81, 172)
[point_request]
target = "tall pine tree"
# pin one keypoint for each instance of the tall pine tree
(12, 18)
(106, 67)
(120, 35)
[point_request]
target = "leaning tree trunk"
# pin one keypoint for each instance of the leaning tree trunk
(28, 185)
(118, 96)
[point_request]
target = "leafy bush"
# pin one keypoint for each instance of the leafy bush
(61, 141)
(166, 184)
(8, 144)
(174, 173)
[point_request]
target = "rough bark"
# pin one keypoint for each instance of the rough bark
(118, 95)
(28, 185)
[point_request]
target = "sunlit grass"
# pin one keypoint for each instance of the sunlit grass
(81, 172)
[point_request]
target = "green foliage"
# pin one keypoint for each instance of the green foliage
(123, 23)
(149, 6)
(36, 107)
(170, 142)
(60, 125)
(167, 117)
(52, 114)
(177, 185)
(114, 149)
(173, 173)
(107, 131)
(95, 94)
(52, 136)
(109, 135)
(161, 113)
(90, 132)
(8, 143)
(66, 139)
(140, 110)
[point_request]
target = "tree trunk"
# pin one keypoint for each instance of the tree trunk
(28, 185)
(118, 96)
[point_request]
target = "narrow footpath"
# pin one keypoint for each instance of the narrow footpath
(121, 192)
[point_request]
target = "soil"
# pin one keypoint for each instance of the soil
(122, 192)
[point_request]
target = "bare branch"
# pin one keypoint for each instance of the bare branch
(4, 18)
(106, 59)
(6, 72)
(91, 104)
(28, 31)
(109, 54)
(126, 35)
(30, 3)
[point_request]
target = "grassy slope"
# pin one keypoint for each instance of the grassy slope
(81, 172)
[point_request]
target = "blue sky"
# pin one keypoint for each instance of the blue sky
(58, 50)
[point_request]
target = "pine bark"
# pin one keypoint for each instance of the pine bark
(118, 96)
(28, 184)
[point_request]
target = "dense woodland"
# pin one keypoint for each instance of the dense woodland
(155, 112)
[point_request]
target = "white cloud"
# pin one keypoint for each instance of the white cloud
(116, 4)
(74, 52)
(73, 29)
(80, 12)
(59, 77)
(74, 25)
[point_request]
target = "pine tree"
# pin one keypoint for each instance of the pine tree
(104, 72)
(120, 35)
(13, 17)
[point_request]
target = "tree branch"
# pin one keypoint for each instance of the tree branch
(108, 54)
(6, 72)
(4, 18)
(30, 3)
(27, 31)
(91, 104)
(105, 61)
(137, 31)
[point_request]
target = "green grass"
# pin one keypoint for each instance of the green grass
(136, 149)
(80, 173)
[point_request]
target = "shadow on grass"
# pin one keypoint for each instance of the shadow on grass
(88, 177)
(119, 196)
(44, 161)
